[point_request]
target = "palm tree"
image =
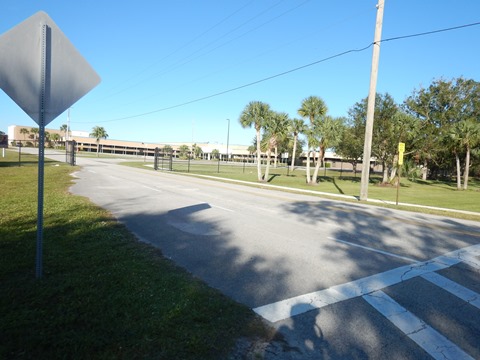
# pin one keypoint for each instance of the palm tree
(167, 149)
(46, 137)
(64, 129)
(296, 127)
(24, 132)
(466, 135)
(55, 138)
(255, 114)
(98, 132)
(330, 132)
(313, 108)
(278, 130)
(183, 151)
(34, 132)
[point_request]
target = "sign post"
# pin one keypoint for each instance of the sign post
(401, 150)
(44, 75)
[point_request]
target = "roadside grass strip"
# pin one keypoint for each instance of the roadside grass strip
(287, 308)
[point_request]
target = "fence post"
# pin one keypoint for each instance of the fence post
(218, 166)
(171, 162)
(155, 159)
(72, 154)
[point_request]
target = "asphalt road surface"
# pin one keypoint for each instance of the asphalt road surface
(338, 280)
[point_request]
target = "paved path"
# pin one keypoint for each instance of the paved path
(338, 280)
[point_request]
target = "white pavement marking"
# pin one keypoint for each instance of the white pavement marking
(151, 188)
(472, 261)
(452, 287)
(374, 250)
(434, 343)
(221, 208)
(284, 309)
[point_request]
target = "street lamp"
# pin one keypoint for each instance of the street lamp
(228, 136)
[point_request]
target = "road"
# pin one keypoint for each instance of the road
(338, 280)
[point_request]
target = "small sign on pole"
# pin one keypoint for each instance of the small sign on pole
(401, 150)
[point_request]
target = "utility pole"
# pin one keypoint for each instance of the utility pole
(367, 147)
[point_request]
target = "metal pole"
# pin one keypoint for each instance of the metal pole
(228, 136)
(367, 149)
(41, 150)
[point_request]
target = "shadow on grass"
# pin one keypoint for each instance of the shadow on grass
(272, 177)
(105, 295)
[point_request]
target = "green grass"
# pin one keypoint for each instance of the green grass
(104, 295)
(429, 193)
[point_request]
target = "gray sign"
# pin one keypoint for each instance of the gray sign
(70, 76)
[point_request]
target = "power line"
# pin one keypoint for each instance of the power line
(286, 72)
(238, 87)
(203, 50)
(430, 32)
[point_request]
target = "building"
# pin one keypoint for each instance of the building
(238, 153)
(124, 147)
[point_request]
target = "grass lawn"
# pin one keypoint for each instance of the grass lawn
(430, 193)
(104, 295)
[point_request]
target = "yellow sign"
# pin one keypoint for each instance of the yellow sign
(400, 158)
(401, 147)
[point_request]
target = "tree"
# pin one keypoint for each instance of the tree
(448, 112)
(33, 134)
(255, 114)
(331, 130)
(167, 149)
(98, 132)
(313, 108)
(384, 137)
(64, 129)
(430, 110)
(276, 129)
(55, 138)
(466, 135)
(196, 151)
(46, 137)
(24, 132)
(350, 146)
(215, 154)
(183, 151)
(295, 127)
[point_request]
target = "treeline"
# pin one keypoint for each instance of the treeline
(440, 126)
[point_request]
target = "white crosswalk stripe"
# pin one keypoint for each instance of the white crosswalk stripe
(434, 343)
(456, 289)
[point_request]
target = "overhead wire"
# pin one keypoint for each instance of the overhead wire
(189, 58)
(176, 51)
(222, 44)
(288, 72)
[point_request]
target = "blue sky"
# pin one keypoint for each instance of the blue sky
(155, 55)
